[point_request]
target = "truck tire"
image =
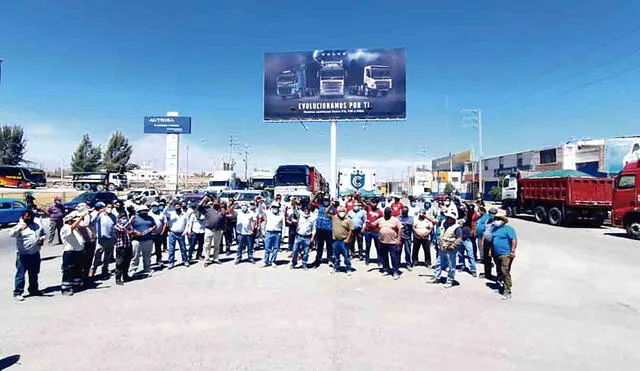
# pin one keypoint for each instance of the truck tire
(78, 186)
(633, 229)
(111, 187)
(100, 187)
(540, 214)
(555, 216)
(86, 187)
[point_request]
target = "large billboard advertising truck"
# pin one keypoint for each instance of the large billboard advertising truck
(296, 178)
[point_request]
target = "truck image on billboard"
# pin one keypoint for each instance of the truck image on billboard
(340, 85)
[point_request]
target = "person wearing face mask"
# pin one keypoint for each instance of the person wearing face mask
(195, 232)
(177, 224)
(245, 229)
(55, 212)
(142, 240)
(124, 250)
(481, 219)
(390, 243)
(504, 246)
(88, 228)
(414, 209)
(72, 256)
(230, 221)
(158, 233)
(323, 231)
(213, 229)
(273, 226)
(422, 228)
(292, 215)
(118, 209)
(305, 233)
(162, 207)
(29, 237)
(487, 243)
(465, 253)
(450, 242)
(382, 205)
(342, 231)
(104, 222)
(351, 202)
(407, 228)
(396, 206)
(372, 232)
(450, 207)
(359, 217)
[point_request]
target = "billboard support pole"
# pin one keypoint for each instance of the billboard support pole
(332, 177)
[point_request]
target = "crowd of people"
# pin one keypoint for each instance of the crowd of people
(458, 234)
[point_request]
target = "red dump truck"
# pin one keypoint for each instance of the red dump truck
(626, 200)
(558, 197)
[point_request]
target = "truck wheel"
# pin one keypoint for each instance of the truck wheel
(540, 214)
(78, 186)
(100, 187)
(86, 187)
(633, 229)
(111, 187)
(555, 216)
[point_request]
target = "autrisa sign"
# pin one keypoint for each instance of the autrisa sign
(335, 85)
(167, 125)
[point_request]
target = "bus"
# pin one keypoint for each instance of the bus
(22, 177)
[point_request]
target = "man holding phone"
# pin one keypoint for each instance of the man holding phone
(29, 237)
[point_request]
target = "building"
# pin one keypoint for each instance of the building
(421, 181)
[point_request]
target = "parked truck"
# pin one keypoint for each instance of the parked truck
(293, 83)
(557, 198)
(332, 75)
(626, 200)
(99, 181)
(222, 180)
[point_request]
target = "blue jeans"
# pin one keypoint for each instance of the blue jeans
(173, 238)
(466, 253)
(271, 247)
(406, 243)
(244, 240)
(368, 237)
(447, 259)
(301, 243)
(340, 247)
(27, 264)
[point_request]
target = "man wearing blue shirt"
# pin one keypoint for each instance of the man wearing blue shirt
(505, 243)
(484, 231)
(407, 227)
(359, 216)
(324, 231)
(142, 241)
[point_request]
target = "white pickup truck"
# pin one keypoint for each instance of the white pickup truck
(146, 195)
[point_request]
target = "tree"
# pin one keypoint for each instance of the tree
(449, 188)
(117, 154)
(13, 146)
(496, 193)
(87, 157)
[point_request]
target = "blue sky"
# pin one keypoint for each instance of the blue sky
(542, 72)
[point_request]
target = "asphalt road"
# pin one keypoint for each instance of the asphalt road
(576, 306)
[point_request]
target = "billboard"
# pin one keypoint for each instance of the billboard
(618, 152)
(167, 125)
(453, 162)
(335, 85)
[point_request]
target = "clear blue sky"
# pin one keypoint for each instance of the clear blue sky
(89, 66)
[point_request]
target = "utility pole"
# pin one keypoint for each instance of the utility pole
(233, 142)
(475, 116)
(186, 175)
(246, 153)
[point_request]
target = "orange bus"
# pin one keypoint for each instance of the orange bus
(22, 177)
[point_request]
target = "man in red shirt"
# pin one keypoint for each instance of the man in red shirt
(372, 231)
(353, 199)
(396, 206)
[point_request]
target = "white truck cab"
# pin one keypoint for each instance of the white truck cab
(222, 180)
(377, 80)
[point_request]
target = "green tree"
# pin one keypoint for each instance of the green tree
(117, 154)
(13, 146)
(449, 188)
(496, 192)
(87, 157)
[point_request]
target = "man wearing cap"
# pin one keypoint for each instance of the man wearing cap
(177, 224)
(342, 231)
(142, 241)
(105, 222)
(450, 242)
(161, 229)
(29, 237)
(213, 229)
(487, 242)
(72, 256)
(504, 247)
(305, 234)
(87, 228)
(396, 206)
(245, 229)
(359, 217)
(323, 231)
(273, 226)
(55, 212)
(372, 231)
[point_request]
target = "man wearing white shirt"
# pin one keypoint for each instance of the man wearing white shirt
(274, 222)
(177, 221)
(305, 235)
(245, 230)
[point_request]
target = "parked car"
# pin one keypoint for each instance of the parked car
(146, 195)
(226, 196)
(250, 195)
(11, 210)
(191, 198)
(90, 198)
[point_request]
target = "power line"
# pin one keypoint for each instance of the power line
(594, 82)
